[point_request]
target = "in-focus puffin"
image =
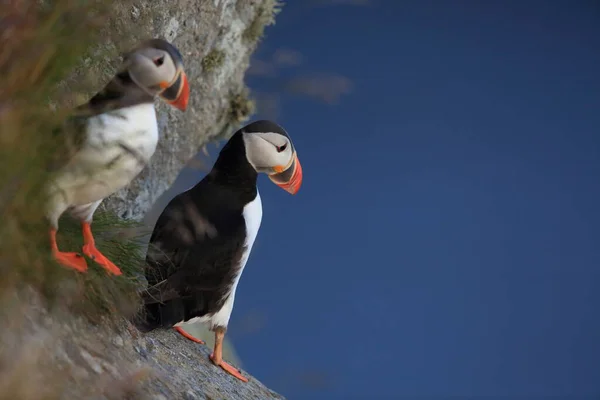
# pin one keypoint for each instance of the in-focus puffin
(115, 136)
(202, 239)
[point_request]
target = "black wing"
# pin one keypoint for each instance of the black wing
(193, 254)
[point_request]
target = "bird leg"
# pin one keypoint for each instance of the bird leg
(69, 260)
(217, 356)
(90, 250)
(187, 335)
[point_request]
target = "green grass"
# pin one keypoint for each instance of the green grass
(95, 294)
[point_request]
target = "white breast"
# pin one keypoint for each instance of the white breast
(253, 216)
(118, 146)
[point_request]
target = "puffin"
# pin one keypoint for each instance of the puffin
(201, 241)
(110, 139)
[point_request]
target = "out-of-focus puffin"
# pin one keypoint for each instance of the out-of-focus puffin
(202, 239)
(115, 134)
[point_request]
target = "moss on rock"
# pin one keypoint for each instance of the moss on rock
(214, 59)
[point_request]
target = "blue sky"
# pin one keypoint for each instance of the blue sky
(445, 240)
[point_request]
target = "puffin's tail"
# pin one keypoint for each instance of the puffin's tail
(152, 317)
(155, 314)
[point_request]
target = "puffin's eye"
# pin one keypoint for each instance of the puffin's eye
(281, 148)
(159, 61)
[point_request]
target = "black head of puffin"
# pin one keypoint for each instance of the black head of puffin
(157, 66)
(270, 150)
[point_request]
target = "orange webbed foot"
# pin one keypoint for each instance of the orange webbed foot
(92, 252)
(187, 335)
(71, 260)
(231, 370)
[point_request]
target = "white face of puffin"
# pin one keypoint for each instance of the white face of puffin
(158, 73)
(273, 154)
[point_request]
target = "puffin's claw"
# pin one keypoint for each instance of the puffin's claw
(92, 252)
(231, 370)
(71, 260)
(187, 335)
(66, 259)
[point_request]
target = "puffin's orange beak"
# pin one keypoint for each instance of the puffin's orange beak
(289, 179)
(178, 93)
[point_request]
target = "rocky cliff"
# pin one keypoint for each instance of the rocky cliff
(50, 352)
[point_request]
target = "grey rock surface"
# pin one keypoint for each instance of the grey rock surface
(51, 358)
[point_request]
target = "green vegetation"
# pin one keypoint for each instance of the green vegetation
(214, 59)
(265, 16)
(96, 294)
(42, 44)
